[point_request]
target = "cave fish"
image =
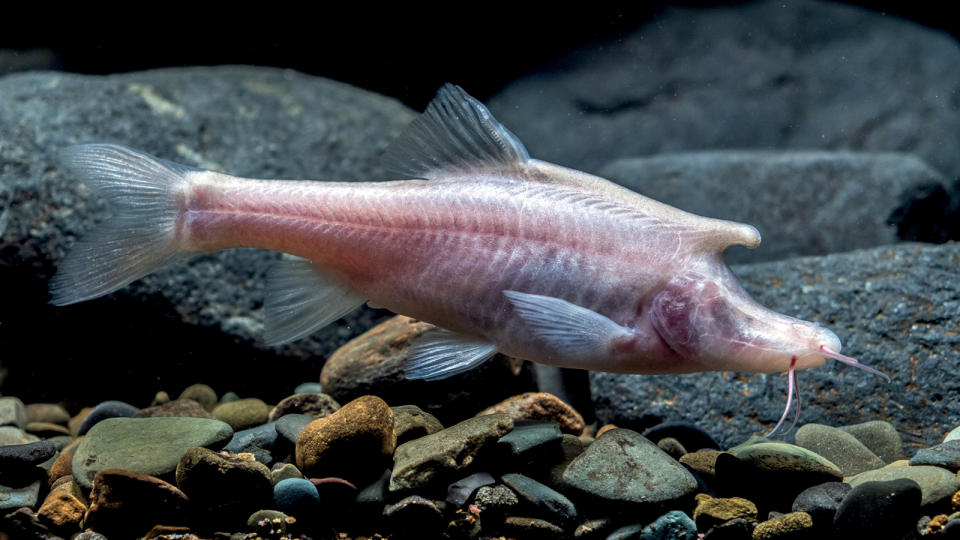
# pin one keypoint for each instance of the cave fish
(503, 253)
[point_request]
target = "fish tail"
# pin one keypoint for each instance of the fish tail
(147, 197)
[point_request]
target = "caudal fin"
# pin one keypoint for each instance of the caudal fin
(139, 238)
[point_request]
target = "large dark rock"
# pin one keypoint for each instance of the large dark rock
(803, 203)
(254, 122)
(757, 75)
(895, 308)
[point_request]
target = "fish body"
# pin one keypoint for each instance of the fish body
(503, 253)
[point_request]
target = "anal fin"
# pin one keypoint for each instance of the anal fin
(301, 299)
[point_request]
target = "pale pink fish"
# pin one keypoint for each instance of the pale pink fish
(502, 252)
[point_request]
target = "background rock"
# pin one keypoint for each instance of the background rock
(803, 203)
(894, 308)
(759, 75)
(254, 122)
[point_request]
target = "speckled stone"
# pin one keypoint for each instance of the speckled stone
(269, 522)
(350, 443)
(411, 422)
(436, 457)
(838, 446)
(945, 455)
(936, 484)
(145, 445)
(185, 408)
(243, 413)
(712, 511)
(880, 437)
(787, 526)
(703, 461)
(540, 406)
(310, 404)
(202, 394)
(674, 525)
(622, 466)
(783, 457)
(821, 502)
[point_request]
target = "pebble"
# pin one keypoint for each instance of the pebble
(46, 430)
(284, 471)
(880, 437)
(531, 443)
(690, 436)
(735, 529)
(783, 457)
(525, 527)
(821, 502)
(290, 426)
(145, 445)
(269, 523)
(104, 410)
(77, 420)
(226, 485)
(540, 406)
(258, 441)
(417, 515)
(459, 492)
(792, 525)
(313, 405)
(674, 525)
(348, 443)
(838, 446)
(296, 497)
(51, 413)
(62, 512)
(703, 461)
(375, 493)
(182, 408)
(945, 454)
(12, 412)
(12, 497)
(497, 500)
(712, 511)
(570, 448)
(15, 435)
(17, 456)
(545, 500)
(336, 493)
(881, 509)
(126, 504)
(308, 388)
(672, 447)
(202, 394)
(243, 413)
(410, 422)
(229, 397)
(438, 456)
(623, 466)
(160, 398)
(936, 484)
(62, 466)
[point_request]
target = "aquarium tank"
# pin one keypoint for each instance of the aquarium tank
(677, 270)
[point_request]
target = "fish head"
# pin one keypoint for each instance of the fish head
(713, 324)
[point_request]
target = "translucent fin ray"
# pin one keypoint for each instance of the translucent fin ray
(568, 328)
(455, 133)
(138, 239)
(301, 299)
(439, 354)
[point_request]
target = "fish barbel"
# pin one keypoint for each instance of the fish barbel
(503, 253)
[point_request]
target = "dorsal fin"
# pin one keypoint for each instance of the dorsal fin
(455, 134)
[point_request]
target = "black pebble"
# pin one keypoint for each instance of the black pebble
(879, 509)
(821, 502)
(690, 436)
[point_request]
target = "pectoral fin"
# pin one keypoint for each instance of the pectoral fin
(570, 330)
